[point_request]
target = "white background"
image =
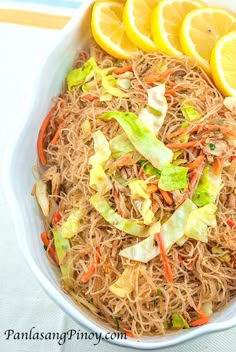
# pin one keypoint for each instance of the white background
(23, 304)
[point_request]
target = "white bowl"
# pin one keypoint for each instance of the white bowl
(18, 181)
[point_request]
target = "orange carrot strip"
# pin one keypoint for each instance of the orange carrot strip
(42, 131)
(205, 77)
(180, 259)
(56, 135)
(164, 258)
(217, 166)
(167, 196)
(90, 97)
(120, 70)
(183, 145)
(85, 278)
(194, 165)
(170, 92)
(46, 242)
(151, 189)
(159, 76)
(231, 223)
(203, 319)
(195, 176)
(129, 333)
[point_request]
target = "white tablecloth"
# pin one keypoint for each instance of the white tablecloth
(23, 303)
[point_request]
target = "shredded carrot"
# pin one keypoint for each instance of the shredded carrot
(217, 166)
(221, 129)
(42, 131)
(151, 189)
(194, 177)
(180, 259)
(232, 157)
(206, 78)
(190, 265)
(183, 145)
(203, 319)
(129, 333)
(167, 196)
(85, 278)
(164, 258)
(90, 97)
(57, 134)
(48, 245)
(172, 84)
(231, 223)
(56, 217)
(198, 161)
(159, 76)
(170, 92)
(123, 69)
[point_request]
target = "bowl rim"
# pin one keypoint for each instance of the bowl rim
(76, 314)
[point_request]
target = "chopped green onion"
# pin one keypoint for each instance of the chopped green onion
(212, 146)
(159, 293)
(117, 323)
(183, 91)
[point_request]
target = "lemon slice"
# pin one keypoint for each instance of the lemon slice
(137, 21)
(200, 31)
(108, 29)
(223, 65)
(166, 22)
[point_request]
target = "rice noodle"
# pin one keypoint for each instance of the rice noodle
(208, 278)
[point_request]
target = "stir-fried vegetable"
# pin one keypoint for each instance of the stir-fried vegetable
(173, 177)
(98, 178)
(131, 226)
(126, 282)
(198, 221)
(82, 74)
(142, 139)
(174, 228)
(145, 250)
(41, 194)
(120, 145)
(62, 247)
(109, 83)
(149, 169)
(72, 225)
(208, 188)
(190, 112)
(154, 114)
(167, 269)
(142, 200)
(178, 322)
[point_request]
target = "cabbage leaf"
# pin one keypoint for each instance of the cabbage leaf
(173, 177)
(145, 250)
(62, 246)
(199, 220)
(126, 282)
(71, 226)
(120, 145)
(98, 178)
(208, 187)
(144, 141)
(130, 226)
(190, 112)
(142, 200)
(153, 115)
(174, 228)
(82, 74)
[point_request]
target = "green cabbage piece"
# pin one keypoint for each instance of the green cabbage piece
(199, 220)
(145, 250)
(82, 74)
(62, 246)
(174, 228)
(178, 322)
(173, 177)
(71, 226)
(126, 282)
(190, 112)
(98, 178)
(120, 145)
(142, 139)
(149, 169)
(130, 226)
(109, 83)
(208, 187)
(142, 200)
(153, 115)
(223, 255)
